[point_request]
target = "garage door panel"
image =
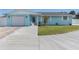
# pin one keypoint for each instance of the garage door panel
(17, 20)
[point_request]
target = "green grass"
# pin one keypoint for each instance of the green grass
(52, 30)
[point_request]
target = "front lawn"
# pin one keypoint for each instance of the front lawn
(52, 30)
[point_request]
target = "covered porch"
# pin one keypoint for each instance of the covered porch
(55, 20)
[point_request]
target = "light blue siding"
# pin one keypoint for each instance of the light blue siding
(53, 20)
(40, 20)
(27, 20)
(66, 22)
(9, 20)
(36, 20)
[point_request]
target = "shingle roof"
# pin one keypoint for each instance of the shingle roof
(23, 12)
(56, 13)
(30, 12)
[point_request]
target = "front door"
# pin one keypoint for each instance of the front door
(34, 20)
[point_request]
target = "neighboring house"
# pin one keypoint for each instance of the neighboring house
(23, 17)
(75, 20)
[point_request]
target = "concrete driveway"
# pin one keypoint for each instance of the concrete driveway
(26, 38)
(7, 30)
(23, 38)
(66, 41)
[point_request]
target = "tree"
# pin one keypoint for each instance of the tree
(72, 12)
(45, 19)
(77, 16)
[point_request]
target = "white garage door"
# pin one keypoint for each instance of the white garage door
(18, 20)
(75, 21)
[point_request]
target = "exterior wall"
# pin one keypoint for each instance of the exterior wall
(75, 21)
(37, 18)
(53, 20)
(40, 20)
(9, 20)
(26, 20)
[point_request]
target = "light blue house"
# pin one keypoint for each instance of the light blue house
(23, 17)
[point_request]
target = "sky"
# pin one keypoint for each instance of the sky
(4, 11)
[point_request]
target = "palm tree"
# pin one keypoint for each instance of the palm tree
(72, 12)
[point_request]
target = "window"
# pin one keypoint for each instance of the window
(64, 17)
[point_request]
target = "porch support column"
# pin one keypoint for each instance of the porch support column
(49, 20)
(37, 20)
(9, 20)
(25, 20)
(41, 20)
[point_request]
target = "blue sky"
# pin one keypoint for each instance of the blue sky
(4, 11)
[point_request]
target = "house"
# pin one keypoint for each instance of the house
(23, 17)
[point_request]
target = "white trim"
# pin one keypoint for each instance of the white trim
(67, 17)
(62, 18)
(56, 15)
